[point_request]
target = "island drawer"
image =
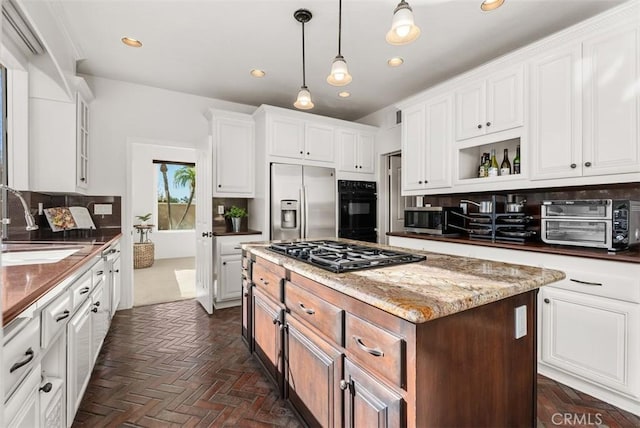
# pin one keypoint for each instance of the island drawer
(379, 350)
(267, 281)
(322, 315)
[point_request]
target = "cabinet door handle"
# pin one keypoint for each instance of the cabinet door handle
(419, 182)
(219, 185)
(301, 152)
(373, 351)
(237, 248)
(94, 310)
(46, 387)
(84, 290)
(117, 271)
(479, 126)
(82, 179)
(96, 304)
(264, 282)
(29, 353)
(65, 314)
(224, 263)
(308, 153)
(307, 310)
(276, 321)
(356, 166)
(100, 272)
(595, 284)
(587, 164)
(547, 301)
(488, 123)
(344, 385)
(573, 165)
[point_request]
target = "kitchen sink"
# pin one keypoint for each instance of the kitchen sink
(33, 257)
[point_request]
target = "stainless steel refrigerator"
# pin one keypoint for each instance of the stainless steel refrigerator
(303, 202)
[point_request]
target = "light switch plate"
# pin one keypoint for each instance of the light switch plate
(102, 209)
(220, 209)
(521, 321)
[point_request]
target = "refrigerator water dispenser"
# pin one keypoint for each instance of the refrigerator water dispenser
(288, 214)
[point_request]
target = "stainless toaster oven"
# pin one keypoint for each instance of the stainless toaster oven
(598, 223)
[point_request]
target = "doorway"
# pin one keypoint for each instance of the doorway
(397, 203)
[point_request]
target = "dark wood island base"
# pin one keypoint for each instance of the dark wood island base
(341, 361)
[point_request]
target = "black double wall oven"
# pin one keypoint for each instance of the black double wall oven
(358, 204)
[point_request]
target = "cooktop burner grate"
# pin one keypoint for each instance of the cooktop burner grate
(341, 257)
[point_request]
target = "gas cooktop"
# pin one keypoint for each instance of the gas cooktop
(339, 257)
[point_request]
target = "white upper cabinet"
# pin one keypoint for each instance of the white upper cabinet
(556, 114)
(490, 105)
(357, 151)
(302, 139)
(233, 154)
(585, 112)
(59, 143)
(611, 103)
(426, 146)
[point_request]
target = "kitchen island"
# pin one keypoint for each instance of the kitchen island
(430, 343)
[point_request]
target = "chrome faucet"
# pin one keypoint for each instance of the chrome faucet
(31, 222)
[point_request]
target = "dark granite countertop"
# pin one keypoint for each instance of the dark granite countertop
(225, 232)
(24, 284)
(631, 255)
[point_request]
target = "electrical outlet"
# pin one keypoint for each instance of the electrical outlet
(102, 209)
(521, 321)
(221, 209)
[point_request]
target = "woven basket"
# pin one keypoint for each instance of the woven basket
(143, 255)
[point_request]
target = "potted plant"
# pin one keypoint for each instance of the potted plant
(236, 214)
(144, 218)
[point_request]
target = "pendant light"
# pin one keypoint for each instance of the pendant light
(403, 30)
(489, 5)
(303, 102)
(339, 72)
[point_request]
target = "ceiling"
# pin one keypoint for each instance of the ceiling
(208, 47)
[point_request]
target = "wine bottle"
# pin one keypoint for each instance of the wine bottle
(493, 166)
(487, 164)
(505, 166)
(482, 171)
(516, 161)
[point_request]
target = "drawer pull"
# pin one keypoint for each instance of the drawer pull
(97, 303)
(595, 284)
(65, 314)
(237, 248)
(94, 310)
(307, 310)
(24, 362)
(84, 290)
(100, 272)
(373, 351)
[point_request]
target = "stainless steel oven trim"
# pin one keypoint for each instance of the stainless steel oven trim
(608, 238)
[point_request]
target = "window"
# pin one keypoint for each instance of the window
(176, 187)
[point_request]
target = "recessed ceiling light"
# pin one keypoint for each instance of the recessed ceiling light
(488, 5)
(395, 62)
(131, 42)
(344, 94)
(256, 72)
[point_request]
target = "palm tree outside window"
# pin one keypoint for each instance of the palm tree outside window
(176, 187)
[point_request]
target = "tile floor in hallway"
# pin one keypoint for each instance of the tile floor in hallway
(173, 365)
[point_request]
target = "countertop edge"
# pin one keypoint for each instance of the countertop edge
(11, 313)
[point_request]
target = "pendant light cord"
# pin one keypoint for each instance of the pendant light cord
(339, 27)
(304, 83)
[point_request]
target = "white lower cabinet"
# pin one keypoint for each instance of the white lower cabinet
(227, 267)
(52, 403)
(79, 357)
(100, 314)
(592, 337)
(22, 410)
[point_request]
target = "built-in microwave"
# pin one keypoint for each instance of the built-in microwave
(433, 220)
(599, 223)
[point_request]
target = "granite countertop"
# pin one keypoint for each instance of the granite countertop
(632, 255)
(422, 291)
(25, 284)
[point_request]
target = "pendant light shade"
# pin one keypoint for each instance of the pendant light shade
(403, 29)
(339, 72)
(303, 101)
(489, 5)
